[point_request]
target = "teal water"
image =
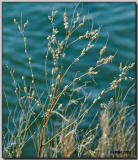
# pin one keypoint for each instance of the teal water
(118, 19)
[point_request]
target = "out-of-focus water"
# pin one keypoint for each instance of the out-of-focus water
(118, 19)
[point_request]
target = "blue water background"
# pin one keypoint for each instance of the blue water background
(118, 19)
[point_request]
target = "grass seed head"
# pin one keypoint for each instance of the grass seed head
(102, 51)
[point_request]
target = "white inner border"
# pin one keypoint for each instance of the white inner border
(1, 46)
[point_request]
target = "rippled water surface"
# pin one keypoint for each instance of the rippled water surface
(118, 19)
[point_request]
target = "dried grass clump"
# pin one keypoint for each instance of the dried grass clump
(111, 132)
